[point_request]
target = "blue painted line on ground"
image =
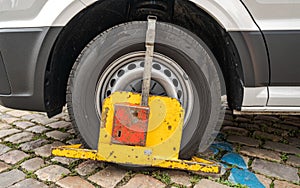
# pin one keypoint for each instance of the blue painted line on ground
(223, 146)
(244, 177)
(214, 150)
(234, 159)
(240, 173)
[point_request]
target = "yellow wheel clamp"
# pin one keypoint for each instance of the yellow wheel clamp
(141, 130)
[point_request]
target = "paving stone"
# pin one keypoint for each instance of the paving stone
(284, 184)
(224, 169)
(13, 157)
(249, 126)
(276, 170)
(33, 164)
(229, 123)
(228, 111)
(64, 160)
(261, 153)
(246, 159)
(281, 147)
(71, 131)
(179, 177)
(4, 116)
(31, 183)
(9, 120)
(4, 166)
(5, 126)
(241, 119)
(297, 124)
(74, 141)
(32, 116)
(23, 124)
(264, 180)
(276, 131)
(294, 141)
(52, 173)
(286, 127)
(57, 135)
(11, 177)
(235, 131)
(59, 125)
(60, 116)
(67, 118)
(37, 129)
(18, 113)
(43, 120)
(292, 118)
(4, 149)
(109, 177)
(266, 136)
(203, 183)
(143, 181)
(87, 167)
(45, 151)
(4, 109)
(20, 137)
(262, 123)
(74, 182)
(28, 146)
(244, 140)
(267, 118)
(228, 117)
(293, 160)
(4, 133)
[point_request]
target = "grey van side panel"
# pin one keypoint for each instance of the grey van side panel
(5, 87)
(284, 49)
(254, 57)
(25, 53)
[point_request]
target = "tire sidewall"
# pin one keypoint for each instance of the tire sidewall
(199, 63)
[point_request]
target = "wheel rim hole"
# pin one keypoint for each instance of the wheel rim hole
(157, 66)
(175, 82)
(108, 92)
(179, 94)
(121, 73)
(112, 82)
(131, 66)
(167, 72)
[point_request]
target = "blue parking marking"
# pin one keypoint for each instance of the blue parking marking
(239, 174)
(244, 177)
(214, 150)
(234, 159)
(223, 146)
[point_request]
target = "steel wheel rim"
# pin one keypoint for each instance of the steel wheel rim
(125, 74)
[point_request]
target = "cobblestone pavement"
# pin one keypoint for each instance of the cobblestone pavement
(269, 147)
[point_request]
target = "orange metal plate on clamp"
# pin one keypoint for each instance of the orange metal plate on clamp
(130, 124)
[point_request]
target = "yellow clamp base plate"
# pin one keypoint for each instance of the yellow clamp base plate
(162, 140)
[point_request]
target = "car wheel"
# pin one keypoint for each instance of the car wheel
(183, 68)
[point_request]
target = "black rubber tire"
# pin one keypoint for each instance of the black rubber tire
(185, 48)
